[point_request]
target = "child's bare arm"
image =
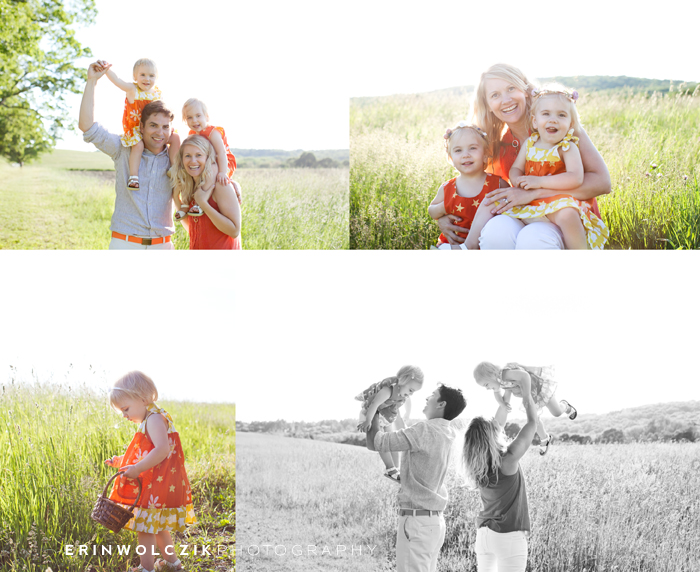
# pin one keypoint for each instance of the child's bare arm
(482, 216)
(572, 179)
(437, 206)
(382, 395)
(126, 86)
(221, 160)
(518, 168)
(157, 428)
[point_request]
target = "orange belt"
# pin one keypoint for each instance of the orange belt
(136, 239)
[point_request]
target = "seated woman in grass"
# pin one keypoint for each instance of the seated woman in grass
(216, 222)
(502, 107)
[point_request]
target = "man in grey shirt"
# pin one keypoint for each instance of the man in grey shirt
(142, 218)
(423, 496)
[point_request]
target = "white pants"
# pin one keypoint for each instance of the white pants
(506, 233)
(500, 551)
(119, 244)
(418, 543)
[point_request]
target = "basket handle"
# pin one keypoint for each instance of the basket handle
(109, 482)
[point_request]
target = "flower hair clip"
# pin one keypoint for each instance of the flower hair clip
(463, 125)
(573, 96)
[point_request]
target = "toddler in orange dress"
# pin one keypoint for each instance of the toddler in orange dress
(196, 115)
(155, 456)
(384, 399)
(142, 91)
(552, 152)
(468, 151)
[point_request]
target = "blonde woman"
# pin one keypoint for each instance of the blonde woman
(493, 467)
(210, 212)
(502, 109)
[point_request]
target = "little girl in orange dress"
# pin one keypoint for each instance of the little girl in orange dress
(138, 94)
(155, 456)
(195, 114)
(552, 152)
(467, 151)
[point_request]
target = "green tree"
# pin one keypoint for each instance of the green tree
(37, 51)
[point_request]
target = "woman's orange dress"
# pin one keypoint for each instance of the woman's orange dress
(466, 207)
(166, 498)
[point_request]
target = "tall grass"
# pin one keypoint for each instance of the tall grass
(649, 143)
(54, 441)
(596, 508)
(47, 206)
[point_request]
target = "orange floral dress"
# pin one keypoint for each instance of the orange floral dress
(466, 207)
(230, 159)
(545, 162)
(166, 498)
(131, 121)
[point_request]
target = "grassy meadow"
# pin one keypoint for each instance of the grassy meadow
(598, 508)
(66, 199)
(650, 144)
(54, 443)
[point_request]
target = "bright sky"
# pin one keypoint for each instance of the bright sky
(411, 48)
(296, 336)
(272, 74)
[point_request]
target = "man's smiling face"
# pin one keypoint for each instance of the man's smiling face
(156, 132)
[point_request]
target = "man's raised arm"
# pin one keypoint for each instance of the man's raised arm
(87, 105)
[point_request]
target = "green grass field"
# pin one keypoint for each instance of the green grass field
(650, 145)
(54, 443)
(66, 200)
(598, 508)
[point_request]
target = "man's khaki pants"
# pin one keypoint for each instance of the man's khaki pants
(418, 543)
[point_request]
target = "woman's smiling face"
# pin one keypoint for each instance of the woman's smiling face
(505, 100)
(194, 160)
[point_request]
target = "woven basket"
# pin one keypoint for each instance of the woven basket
(110, 514)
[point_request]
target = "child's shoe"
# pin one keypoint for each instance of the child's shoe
(165, 566)
(393, 475)
(195, 211)
(133, 183)
(544, 445)
(570, 409)
(180, 214)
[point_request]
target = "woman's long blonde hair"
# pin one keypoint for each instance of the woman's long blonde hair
(484, 117)
(484, 447)
(180, 179)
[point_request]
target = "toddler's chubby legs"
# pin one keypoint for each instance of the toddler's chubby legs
(148, 541)
(392, 459)
(569, 221)
(165, 545)
(558, 408)
(135, 154)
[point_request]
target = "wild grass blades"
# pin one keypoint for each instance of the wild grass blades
(46, 206)
(649, 142)
(295, 208)
(596, 507)
(54, 442)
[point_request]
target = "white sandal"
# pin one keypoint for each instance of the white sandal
(133, 183)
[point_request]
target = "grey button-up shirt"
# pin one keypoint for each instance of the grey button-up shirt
(424, 464)
(148, 211)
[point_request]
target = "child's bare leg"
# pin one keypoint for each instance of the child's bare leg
(569, 221)
(388, 460)
(541, 431)
(135, 154)
(148, 541)
(555, 406)
(173, 147)
(165, 545)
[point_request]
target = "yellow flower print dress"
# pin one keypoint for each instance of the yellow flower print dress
(166, 500)
(131, 121)
(545, 162)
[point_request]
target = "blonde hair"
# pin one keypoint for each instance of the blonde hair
(484, 447)
(460, 128)
(147, 63)
(409, 373)
(180, 179)
(133, 385)
(483, 116)
(194, 101)
(564, 95)
(488, 371)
